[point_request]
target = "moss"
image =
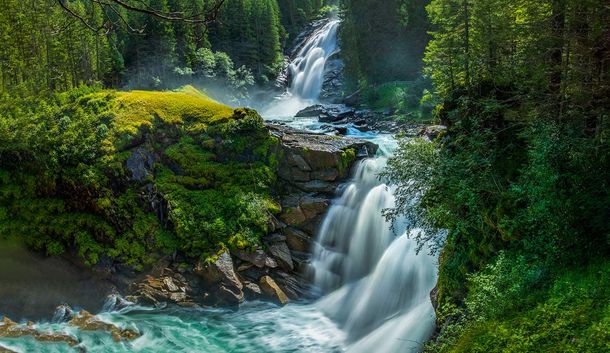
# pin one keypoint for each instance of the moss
(348, 156)
(210, 180)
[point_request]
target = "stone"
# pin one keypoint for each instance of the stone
(252, 290)
(230, 295)
(88, 322)
(10, 329)
(220, 271)
(258, 258)
(140, 164)
(170, 285)
(271, 289)
(433, 132)
(318, 186)
(273, 238)
(280, 251)
(63, 313)
(297, 240)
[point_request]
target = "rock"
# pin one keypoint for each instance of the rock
(309, 156)
(116, 302)
(230, 295)
(273, 238)
(318, 186)
(258, 258)
(88, 322)
(170, 285)
(433, 132)
(252, 290)
(301, 261)
(63, 313)
(300, 209)
(10, 329)
(270, 288)
(220, 271)
(280, 251)
(140, 164)
(297, 240)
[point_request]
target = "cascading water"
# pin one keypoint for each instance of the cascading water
(379, 285)
(307, 71)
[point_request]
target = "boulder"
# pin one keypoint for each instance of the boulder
(140, 164)
(252, 290)
(219, 271)
(258, 258)
(280, 251)
(297, 240)
(433, 132)
(271, 289)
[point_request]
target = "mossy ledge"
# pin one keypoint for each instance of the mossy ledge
(133, 176)
(172, 196)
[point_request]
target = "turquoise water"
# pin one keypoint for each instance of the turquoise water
(256, 327)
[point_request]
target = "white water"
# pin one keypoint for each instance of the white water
(307, 72)
(378, 285)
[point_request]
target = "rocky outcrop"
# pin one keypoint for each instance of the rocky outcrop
(340, 116)
(11, 329)
(86, 321)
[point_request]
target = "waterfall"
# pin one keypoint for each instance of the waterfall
(306, 70)
(377, 286)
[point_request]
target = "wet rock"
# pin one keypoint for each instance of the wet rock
(230, 295)
(10, 329)
(297, 240)
(273, 238)
(220, 271)
(300, 209)
(327, 113)
(280, 251)
(317, 186)
(88, 322)
(63, 313)
(311, 156)
(252, 290)
(271, 289)
(116, 302)
(301, 261)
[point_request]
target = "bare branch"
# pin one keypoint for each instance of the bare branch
(205, 18)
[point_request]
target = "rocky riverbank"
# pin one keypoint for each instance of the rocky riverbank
(310, 168)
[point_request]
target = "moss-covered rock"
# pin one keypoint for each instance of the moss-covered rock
(131, 176)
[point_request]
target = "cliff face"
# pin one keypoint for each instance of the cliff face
(171, 196)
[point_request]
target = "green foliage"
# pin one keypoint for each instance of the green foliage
(567, 314)
(403, 99)
(383, 45)
(520, 180)
(65, 185)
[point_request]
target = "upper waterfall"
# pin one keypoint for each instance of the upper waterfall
(306, 71)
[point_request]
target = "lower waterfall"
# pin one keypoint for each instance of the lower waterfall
(377, 286)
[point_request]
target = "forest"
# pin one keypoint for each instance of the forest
(510, 199)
